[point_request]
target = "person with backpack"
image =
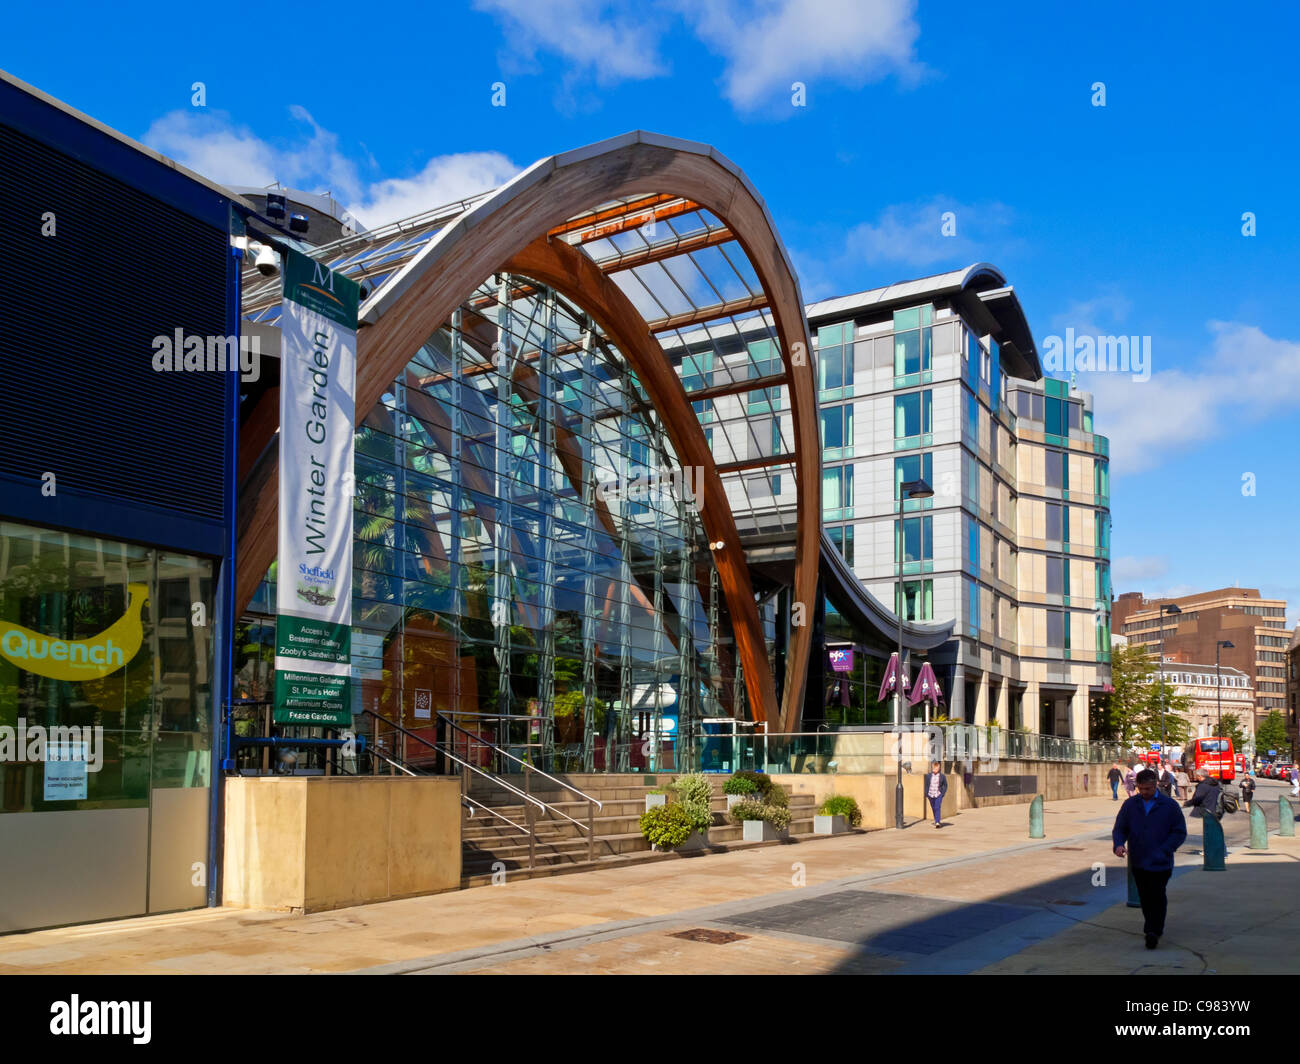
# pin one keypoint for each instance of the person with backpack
(1148, 830)
(1205, 800)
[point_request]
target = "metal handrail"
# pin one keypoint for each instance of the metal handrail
(488, 809)
(437, 747)
(530, 768)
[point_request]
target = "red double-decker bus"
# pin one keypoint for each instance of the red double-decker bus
(1214, 755)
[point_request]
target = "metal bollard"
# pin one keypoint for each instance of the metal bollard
(1215, 848)
(1036, 818)
(1285, 816)
(1259, 827)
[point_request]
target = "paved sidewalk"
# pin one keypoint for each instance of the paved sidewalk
(976, 895)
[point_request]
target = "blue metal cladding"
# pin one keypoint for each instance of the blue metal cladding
(136, 454)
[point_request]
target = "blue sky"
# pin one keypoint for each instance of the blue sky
(1122, 219)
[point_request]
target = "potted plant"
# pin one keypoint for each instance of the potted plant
(666, 827)
(695, 797)
(837, 814)
(761, 822)
(738, 788)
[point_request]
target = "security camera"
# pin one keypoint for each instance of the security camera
(266, 260)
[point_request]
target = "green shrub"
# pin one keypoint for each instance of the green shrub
(762, 783)
(842, 805)
(659, 790)
(749, 809)
(777, 816)
(666, 826)
(695, 793)
(739, 785)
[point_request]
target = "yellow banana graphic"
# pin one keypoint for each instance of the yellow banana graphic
(78, 659)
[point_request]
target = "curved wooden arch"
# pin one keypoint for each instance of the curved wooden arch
(420, 300)
(575, 276)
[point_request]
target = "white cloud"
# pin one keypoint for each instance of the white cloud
(912, 234)
(209, 143)
(594, 36)
(444, 179)
(773, 43)
(1246, 375)
(1133, 570)
(765, 45)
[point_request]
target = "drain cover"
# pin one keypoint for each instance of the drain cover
(1067, 847)
(704, 934)
(1064, 901)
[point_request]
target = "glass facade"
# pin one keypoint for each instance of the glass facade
(106, 648)
(528, 558)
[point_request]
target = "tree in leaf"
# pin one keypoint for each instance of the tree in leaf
(1231, 727)
(1271, 734)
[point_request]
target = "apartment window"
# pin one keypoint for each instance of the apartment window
(918, 540)
(973, 544)
(1056, 630)
(765, 361)
(1055, 522)
(1054, 423)
(913, 467)
(837, 492)
(912, 415)
(837, 430)
(1058, 470)
(1101, 478)
(835, 356)
(697, 370)
(912, 342)
(972, 608)
(971, 422)
(1058, 576)
(842, 537)
(1103, 535)
(918, 600)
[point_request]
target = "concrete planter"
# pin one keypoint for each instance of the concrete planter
(830, 825)
(652, 800)
(762, 831)
(732, 799)
(697, 840)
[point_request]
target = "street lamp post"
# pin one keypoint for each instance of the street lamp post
(1171, 609)
(1222, 644)
(911, 489)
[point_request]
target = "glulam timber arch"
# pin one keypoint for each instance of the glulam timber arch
(508, 230)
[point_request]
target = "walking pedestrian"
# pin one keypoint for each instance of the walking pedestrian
(1165, 782)
(1130, 779)
(1184, 783)
(1148, 831)
(1295, 782)
(936, 786)
(1247, 789)
(1113, 777)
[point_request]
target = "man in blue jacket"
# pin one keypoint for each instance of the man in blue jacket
(1152, 825)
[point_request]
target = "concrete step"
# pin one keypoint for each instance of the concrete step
(475, 878)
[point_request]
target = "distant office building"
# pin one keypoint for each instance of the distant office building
(1255, 626)
(1213, 696)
